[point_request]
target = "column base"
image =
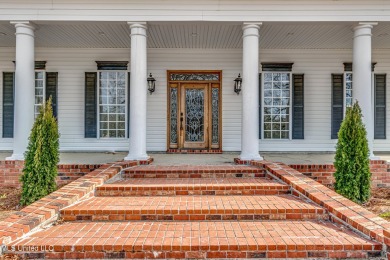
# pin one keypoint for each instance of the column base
(15, 157)
(132, 157)
(374, 158)
(250, 157)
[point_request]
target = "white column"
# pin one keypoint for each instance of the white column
(250, 93)
(138, 92)
(24, 87)
(362, 82)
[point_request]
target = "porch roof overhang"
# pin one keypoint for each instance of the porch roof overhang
(200, 10)
(197, 35)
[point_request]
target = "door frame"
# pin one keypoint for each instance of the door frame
(213, 83)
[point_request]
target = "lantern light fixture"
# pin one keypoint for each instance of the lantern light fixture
(238, 84)
(151, 84)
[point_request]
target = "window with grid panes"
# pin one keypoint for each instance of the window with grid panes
(348, 89)
(276, 105)
(112, 104)
(39, 91)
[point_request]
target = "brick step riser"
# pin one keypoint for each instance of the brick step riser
(193, 217)
(195, 169)
(116, 193)
(127, 175)
(106, 252)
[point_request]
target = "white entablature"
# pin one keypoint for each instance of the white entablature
(197, 35)
(203, 10)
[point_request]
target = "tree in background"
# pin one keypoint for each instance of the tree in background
(41, 158)
(352, 161)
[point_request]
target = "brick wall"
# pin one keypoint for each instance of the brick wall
(323, 173)
(341, 210)
(71, 172)
(11, 170)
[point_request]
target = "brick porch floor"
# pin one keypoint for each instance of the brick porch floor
(196, 212)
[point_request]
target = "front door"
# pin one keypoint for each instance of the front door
(194, 110)
(194, 115)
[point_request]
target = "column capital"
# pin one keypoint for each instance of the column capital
(143, 25)
(137, 28)
(368, 23)
(251, 29)
(364, 28)
(25, 24)
(24, 27)
(248, 25)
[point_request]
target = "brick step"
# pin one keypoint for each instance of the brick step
(201, 208)
(193, 171)
(188, 186)
(200, 240)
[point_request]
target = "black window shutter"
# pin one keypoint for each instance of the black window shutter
(128, 104)
(337, 103)
(298, 106)
(8, 104)
(90, 122)
(260, 119)
(380, 106)
(51, 89)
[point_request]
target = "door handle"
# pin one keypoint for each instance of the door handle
(181, 121)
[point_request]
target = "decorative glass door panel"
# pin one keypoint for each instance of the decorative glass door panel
(194, 116)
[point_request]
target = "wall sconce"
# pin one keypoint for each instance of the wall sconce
(237, 84)
(151, 84)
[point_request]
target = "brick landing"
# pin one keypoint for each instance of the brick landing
(265, 239)
(179, 213)
(190, 171)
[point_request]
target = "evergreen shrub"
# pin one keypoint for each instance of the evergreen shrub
(41, 158)
(352, 163)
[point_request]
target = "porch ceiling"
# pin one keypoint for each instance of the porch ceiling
(200, 35)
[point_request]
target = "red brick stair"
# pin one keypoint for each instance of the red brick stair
(190, 171)
(195, 212)
(192, 186)
(198, 208)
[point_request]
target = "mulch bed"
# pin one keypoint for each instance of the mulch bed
(9, 201)
(379, 202)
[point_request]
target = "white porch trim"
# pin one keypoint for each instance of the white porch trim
(362, 82)
(138, 92)
(24, 87)
(250, 93)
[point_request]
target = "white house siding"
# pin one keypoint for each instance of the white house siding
(317, 65)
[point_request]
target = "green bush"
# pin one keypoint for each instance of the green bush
(41, 158)
(352, 161)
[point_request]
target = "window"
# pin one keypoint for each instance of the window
(112, 104)
(342, 96)
(39, 91)
(348, 89)
(276, 104)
